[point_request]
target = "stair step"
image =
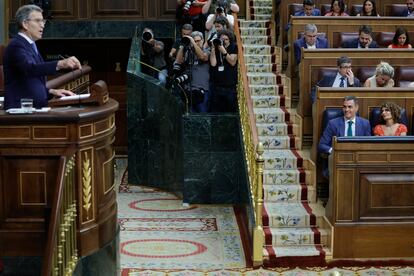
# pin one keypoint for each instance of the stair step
(278, 142)
(267, 115)
(254, 23)
(258, 90)
(254, 31)
(270, 101)
(289, 193)
(261, 68)
(261, 17)
(256, 40)
(288, 237)
(293, 251)
(281, 214)
(262, 78)
(261, 3)
(281, 160)
(284, 177)
(258, 49)
(274, 129)
(259, 58)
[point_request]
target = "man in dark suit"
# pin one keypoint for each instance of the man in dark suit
(409, 11)
(364, 40)
(349, 125)
(308, 9)
(24, 68)
(310, 40)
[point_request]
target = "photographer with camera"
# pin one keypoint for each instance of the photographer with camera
(186, 30)
(152, 57)
(223, 73)
(221, 23)
(195, 58)
(233, 7)
(222, 8)
(194, 12)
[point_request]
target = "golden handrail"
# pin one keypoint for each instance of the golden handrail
(251, 143)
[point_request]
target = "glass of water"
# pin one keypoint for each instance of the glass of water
(26, 105)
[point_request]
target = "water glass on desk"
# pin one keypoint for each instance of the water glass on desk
(26, 105)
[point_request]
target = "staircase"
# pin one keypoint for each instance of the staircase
(293, 222)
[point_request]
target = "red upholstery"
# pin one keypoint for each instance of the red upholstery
(384, 39)
(344, 36)
(396, 9)
(404, 75)
(363, 73)
(355, 9)
(295, 7)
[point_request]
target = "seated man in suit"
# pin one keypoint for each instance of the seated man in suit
(364, 40)
(349, 125)
(310, 40)
(308, 9)
(24, 68)
(343, 78)
(409, 11)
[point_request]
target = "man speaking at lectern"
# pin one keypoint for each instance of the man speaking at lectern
(25, 70)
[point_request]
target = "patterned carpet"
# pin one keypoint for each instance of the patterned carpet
(160, 236)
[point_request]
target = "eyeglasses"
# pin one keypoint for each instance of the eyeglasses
(196, 41)
(346, 67)
(38, 20)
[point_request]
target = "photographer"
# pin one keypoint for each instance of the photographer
(223, 73)
(186, 30)
(193, 56)
(233, 6)
(152, 57)
(221, 23)
(194, 12)
(222, 7)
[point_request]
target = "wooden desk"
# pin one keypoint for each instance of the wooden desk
(371, 197)
(30, 148)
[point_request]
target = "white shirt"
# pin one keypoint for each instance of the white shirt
(311, 46)
(353, 126)
(337, 81)
(26, 37)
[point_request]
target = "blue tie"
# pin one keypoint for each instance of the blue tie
(35, 48)
(342, 83)
(349, 132)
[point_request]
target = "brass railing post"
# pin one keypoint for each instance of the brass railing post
(258, 236)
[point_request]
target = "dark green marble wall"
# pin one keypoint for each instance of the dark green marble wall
(154, 135)
(214, 169)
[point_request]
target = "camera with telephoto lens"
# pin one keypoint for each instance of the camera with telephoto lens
(187, 5)
(220, 9)
(182, 78)
(185, 41)
(146, 36)
(217, 42)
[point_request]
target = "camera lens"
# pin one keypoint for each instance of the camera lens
(146, 36)
(185, 41)
(217, 42)
(219, 10)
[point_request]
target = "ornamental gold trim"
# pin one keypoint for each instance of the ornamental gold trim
(87, 184)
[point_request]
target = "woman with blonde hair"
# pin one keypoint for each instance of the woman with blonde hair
(383, 76)
(389, 122)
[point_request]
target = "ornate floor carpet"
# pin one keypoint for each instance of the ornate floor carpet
(160, 236)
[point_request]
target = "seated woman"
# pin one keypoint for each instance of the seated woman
(383, 76)
(401, 39)
(369, 8)
(389, 122)
(337, 8)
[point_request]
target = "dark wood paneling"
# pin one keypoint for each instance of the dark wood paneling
(117, 9)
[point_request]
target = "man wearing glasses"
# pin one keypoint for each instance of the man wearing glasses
(24, 68)
(343, 78)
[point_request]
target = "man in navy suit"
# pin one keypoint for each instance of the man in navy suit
(308, 9)
(364, 40)
(310, 40)
(24, 68)
(349, 125)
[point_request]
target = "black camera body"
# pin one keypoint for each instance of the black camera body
(217, 42)
(185, 41)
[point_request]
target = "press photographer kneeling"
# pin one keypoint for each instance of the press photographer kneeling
(152, 57)
(191, 72)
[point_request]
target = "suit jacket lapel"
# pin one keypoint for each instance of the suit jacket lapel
(342, 127)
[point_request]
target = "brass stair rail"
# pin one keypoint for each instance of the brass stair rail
(61, 255)
(252, 148)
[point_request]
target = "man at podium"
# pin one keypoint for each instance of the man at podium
(24, 68)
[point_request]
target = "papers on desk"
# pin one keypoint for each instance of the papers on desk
(74, 97)
(23, 111)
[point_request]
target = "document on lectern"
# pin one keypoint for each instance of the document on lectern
(74, 97)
